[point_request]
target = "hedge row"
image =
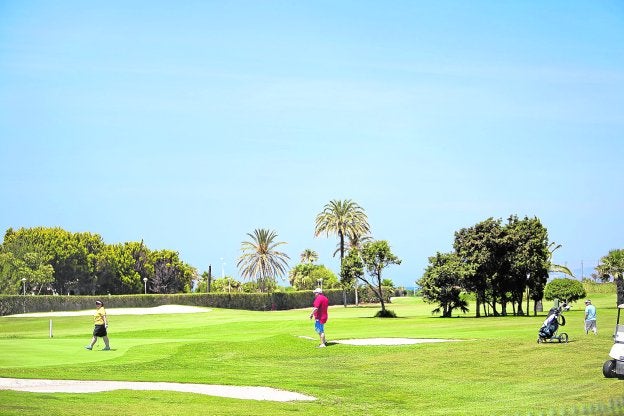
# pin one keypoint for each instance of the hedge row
(17, 304)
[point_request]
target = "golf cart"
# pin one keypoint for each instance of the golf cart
(615, 367)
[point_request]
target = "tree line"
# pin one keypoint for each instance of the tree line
(55, 261)
(501, 264)
(498, 264)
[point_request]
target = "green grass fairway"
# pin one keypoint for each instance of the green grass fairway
(499, 369)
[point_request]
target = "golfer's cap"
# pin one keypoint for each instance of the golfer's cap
(587, 301)
(98, 302)
(318, 290)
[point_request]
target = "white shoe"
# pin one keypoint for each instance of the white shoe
(322, 346)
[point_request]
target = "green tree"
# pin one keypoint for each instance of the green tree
(376, 256)
(300, 277)
(483, 246)
(225, 284)
(73, 256)
(387, 283)
(116, 270)
(507, 260)
(260, 260)
(529, 260)
(567, 290)
(10, 280)
(613, 265)
(442, 283)
(29, 271)
(352, 270)
(305, 276)
(82, 263)
(352, 267)
(309, 256)
(355, 242)
(171, 275)
(205, 282)
(36, 272)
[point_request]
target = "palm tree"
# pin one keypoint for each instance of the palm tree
(260, 260)
(613, 265)
(556, 268)
(309, 256)
(344, 218)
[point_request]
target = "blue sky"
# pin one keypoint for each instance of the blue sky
(190, 125)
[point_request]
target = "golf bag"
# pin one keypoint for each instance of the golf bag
(551, 324)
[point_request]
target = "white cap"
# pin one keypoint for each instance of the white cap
(318, 290)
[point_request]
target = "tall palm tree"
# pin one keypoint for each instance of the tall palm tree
(260, 260)
(613, 265)
(344, 218)
(309, 256)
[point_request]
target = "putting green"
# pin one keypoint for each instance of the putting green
(31, 352)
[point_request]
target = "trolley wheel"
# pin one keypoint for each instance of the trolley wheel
(563, 337)
(608, 369)
(539, 340)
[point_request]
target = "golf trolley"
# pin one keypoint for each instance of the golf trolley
(555, 319)
(615, 367)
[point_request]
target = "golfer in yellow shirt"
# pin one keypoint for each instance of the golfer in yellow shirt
(101, 324)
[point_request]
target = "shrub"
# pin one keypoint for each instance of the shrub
(385, 314)
(567, 290)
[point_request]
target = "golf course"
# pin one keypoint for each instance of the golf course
(494, 366)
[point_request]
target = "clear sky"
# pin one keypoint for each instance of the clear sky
(190, 124)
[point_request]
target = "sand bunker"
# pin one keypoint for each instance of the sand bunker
(79, 386)
(384, 341)
(391, 341)
(122, 311)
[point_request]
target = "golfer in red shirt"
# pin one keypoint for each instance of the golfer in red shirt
(319, 312)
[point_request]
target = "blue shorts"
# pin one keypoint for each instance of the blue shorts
(319, 327)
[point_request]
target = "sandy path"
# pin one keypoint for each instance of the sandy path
(80, 386)
(120, 311)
